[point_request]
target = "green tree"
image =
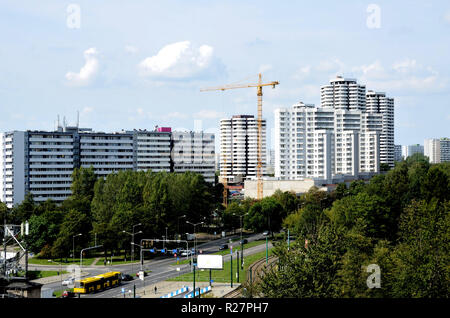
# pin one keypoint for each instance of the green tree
(4, 217)
(266, 214)
(306, 272)
(44, 229)
(421, 259)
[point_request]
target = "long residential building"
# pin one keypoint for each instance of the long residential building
(42, 162)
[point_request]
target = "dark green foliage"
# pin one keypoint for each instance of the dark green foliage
(266, 214)
(399, 221)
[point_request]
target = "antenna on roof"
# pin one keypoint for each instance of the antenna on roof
(78, 118)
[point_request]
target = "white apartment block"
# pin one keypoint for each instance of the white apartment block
(152, 150)
(437, 150)
(325, 142)
(12, 167)
(239, 147)
(411, 149)
(194, 151)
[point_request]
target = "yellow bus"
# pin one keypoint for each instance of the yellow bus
(97, 283)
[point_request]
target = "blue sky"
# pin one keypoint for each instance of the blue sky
(137, 64)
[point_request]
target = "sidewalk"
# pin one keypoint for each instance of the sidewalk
(56, 278)
(165, 287)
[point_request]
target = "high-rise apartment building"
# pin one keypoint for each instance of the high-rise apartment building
(437, 150)
(239, 147)
(347, 94)
(42, 162)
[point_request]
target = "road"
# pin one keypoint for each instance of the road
(160, 269)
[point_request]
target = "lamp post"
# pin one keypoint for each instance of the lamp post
(73, 245)
(195, 236)
(132, 242)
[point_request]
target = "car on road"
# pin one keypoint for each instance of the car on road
(68, 281)
(244, 241)
(145, 274)
(265, 233)
(127, 277)
(223, 247)
(188, 252)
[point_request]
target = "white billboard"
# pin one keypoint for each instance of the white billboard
(210, 261)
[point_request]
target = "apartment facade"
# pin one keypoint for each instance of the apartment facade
(437, 150)
(42, 162)
(378, 103)
(239, 147)
(324, 142)
(194, 151)
(398, 153)
(411, 149)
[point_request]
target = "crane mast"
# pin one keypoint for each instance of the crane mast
(259, 172)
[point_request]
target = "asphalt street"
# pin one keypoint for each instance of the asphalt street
(160, 268)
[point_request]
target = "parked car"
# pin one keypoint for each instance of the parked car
(68, 281)
(127, 277)
(223, 247)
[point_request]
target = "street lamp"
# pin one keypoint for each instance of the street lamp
(195, 236)
(132, 242)
(73, 245)
(242, 243)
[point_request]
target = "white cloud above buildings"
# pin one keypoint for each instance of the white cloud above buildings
(180, 60)
(88, 72)
(403, 77)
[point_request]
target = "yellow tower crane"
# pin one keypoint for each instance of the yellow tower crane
(259, 87)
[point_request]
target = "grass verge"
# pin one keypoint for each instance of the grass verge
(223, 276)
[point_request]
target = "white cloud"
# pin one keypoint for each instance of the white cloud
(264, 68)
(87, 72)
(87, 110)
(174, 115)
(447, 17)
(405, 76)
(179, 60)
